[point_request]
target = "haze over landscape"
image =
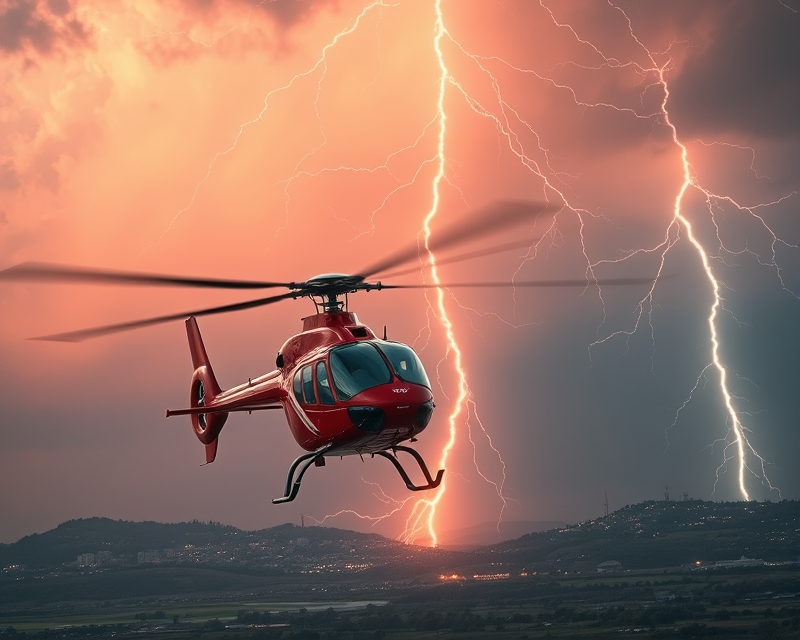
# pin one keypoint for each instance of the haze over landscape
(675, 571)
(280, 140)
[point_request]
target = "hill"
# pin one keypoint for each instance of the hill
(487, 533)
(101, 559)
(124, 540)
(665, 534)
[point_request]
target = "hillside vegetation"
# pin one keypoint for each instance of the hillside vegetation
(98, 559)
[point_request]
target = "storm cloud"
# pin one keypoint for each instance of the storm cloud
(744, 80)
(40, 27)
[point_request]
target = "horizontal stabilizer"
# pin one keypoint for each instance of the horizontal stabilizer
(196, 411)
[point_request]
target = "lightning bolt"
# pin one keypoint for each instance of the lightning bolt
(512, 128)
(737, 437)
(392, 505)
(319, 63)
(424, 510)
(737, 445)
(422, 513)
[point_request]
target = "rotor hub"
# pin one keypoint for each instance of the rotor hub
(326, 289)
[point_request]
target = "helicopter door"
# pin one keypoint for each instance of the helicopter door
(297, 387)
(323, 385)
(308, 385)
(306, 392)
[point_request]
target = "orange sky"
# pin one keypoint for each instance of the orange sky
(279, 140)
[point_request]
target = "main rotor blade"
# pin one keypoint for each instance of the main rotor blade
(497, 216)
(500, 248)
(46, 272)
(608, 282)
(96, 332)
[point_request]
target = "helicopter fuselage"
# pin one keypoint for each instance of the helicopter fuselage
(319, 401)
(342, 389)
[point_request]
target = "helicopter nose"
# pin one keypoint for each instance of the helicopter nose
(367, 419)
(403, 406)
(424, 415)
(407, 406)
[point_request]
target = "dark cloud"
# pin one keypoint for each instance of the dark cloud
(278, 15)
(285, 12)
(29, 24)
(289, 12)
(58, 7)
(747, 80)
(19, 25)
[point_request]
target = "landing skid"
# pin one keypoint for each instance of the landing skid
(316, 457)
(432, 484)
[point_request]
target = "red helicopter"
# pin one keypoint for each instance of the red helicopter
(344, 390)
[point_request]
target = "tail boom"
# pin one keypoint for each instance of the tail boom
(209, 405)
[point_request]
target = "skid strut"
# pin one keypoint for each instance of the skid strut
(432, 483)
(316, 457)
(307, 459)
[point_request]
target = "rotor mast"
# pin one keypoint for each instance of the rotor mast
(330, 303)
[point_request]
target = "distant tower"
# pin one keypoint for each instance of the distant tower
(685, 496)
(666, 494)
(605, 504)
(302, 519)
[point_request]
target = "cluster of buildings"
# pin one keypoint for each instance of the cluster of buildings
(293, 555)
(153, 556)
(90, 559)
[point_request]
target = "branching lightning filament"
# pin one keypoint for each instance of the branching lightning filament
(526, 144)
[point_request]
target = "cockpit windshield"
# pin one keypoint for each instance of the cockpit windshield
(405, 363)
(356, 367)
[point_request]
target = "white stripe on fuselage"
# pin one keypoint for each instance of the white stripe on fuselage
(306, 420)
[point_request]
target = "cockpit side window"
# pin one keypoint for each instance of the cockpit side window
(308, 386)
(356, 367)
(323, 385)
(405, 363)
(297, 386)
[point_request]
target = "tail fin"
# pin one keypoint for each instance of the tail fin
(211, 451)
(199, 355)
(203, 391)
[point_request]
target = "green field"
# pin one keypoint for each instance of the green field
(744, 603)
(186, 614)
